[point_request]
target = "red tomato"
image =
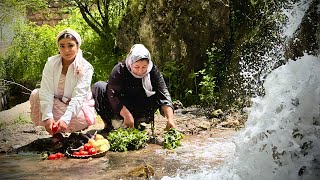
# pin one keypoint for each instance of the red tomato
(87, 146)
(92, 151)
(59, 155)
(76, 153)
(54, 128)
(52, 157)
(83, 153)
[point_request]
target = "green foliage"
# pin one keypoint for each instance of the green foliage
(127, 139)
(30, 48)
(171, 71)
(204, 80)
(208, 76)
(22, 119)
(3, 125)
(96, 50)
(2, 68)
(10, 9)
(172, 139)
(103, 17)
(117, 9)
(32, 45)
(207, 86)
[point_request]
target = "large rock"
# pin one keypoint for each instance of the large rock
(178, 32)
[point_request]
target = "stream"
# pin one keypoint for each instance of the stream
(197, 153)
(280, 140)
(281, 137)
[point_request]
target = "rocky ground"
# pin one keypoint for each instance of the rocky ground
(16, 129)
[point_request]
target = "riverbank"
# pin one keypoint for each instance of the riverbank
(16, 129)
(207, 144)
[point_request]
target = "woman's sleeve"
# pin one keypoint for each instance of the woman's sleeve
(79, 94)
(115, 87)
(162, 93)
(46, 91)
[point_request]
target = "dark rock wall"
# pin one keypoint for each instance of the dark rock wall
(307, 37)
(177, 31)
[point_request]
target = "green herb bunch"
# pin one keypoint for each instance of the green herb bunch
(172, 139)
(127, 139)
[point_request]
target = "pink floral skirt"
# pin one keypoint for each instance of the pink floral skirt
(82, 121)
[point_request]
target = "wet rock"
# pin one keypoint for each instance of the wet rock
(229, 124)
(217, 113)
(146, 171)
(156, 140)
(204, 125)
(16, 146)
(177, 105)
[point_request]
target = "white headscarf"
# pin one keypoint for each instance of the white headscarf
(78, 62)
(137, 52)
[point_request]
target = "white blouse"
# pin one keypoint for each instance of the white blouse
(76, 88)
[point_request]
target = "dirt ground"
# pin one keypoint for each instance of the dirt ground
(16, 129)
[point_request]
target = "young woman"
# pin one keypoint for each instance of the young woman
(64, 103)
(135, 90)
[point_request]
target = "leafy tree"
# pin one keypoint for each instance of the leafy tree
(208, 87)
(103, 16)
(32, 45)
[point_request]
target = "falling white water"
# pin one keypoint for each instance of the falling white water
(282, 135)
(295, 16)
(281, 138)
(254, 72)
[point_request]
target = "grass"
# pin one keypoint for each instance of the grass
(22, 119)
(2, 125)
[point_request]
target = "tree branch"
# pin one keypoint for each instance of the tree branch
(11, 82)
(103, 15)
(88, 17)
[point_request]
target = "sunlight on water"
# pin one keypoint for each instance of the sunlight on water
(203, 153)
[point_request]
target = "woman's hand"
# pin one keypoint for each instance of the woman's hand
(168, 113)
(128, 122)
(48, 125)
(127, 117)
(170, 124)
(62, 126)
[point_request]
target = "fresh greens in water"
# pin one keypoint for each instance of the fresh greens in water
(127, 139)
(172, 139)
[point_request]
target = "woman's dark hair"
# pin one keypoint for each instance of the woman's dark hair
(143, 59)
(69, 36)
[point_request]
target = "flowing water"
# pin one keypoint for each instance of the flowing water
(281, 138)
(197, 153)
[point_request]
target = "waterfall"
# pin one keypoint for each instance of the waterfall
(281, 138)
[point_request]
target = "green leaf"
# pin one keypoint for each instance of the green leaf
(172, 139)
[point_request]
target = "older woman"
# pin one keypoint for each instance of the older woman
(64, 103)
(135, 90)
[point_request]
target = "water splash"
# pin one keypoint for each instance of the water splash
(282, 135)
(281, 138)
(294, 17)
(256, 65)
